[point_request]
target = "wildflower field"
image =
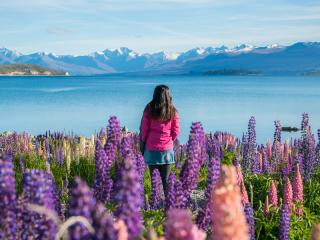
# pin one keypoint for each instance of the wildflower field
(59, 186)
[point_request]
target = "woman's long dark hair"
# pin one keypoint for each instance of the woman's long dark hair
(161, 106)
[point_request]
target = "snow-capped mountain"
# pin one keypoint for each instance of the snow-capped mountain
(8, 56)
(302, 56)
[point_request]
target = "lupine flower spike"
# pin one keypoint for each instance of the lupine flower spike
(8, 199)
(228, 217)
(155, 199)
(284, 227)
(287, 194)
(179, 226)
(315, 232)
(298, 192)
(273, 195)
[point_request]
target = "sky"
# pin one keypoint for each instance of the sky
(85, 26)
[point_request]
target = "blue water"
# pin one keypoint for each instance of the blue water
(83, 104)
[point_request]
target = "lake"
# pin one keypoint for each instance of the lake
(83, 104)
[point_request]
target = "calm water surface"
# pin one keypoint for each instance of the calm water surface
(83, 104)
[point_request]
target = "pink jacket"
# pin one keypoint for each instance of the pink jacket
(159, 135)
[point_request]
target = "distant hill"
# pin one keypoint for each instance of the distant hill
(27, 70)
(299, 58)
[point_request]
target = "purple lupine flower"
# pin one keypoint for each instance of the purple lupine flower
(59, 155)
(47, 146)
(37, 190)
(202, 143)
(102, 134)
(252, 139)
(58, 207)
(37, 147)
(273, 195)
(245, 152)
(179, 226)
(128, 198)
(266, 164)
(317, 151)
(170, 196)
(307, 147)
(189, 173)
(180, 200)
(203, 219)
(81, 203)
(277, 132)
(102, 183)
(140, 165)
(8, 201)
(103, 224)
(298, 160)
(304, 122)
(126, 146)
(256, 165)
(21, 161)
(276, 146)
(309, 157)
(113, 138)
(248, 210)
(140, 169)
(284, 227)
(155, 199)
(126, 150)
(19, 216)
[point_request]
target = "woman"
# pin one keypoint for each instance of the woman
(159, 128)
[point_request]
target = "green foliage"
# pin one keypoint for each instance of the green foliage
(84, 168)
(203, 174)
(300, 227)
(147, 183)
(266, 228)
(29, 162)
(312, 193)
(154, 219)
(227, 158)
(260, 185)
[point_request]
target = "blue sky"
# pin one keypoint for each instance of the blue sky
(84, 26)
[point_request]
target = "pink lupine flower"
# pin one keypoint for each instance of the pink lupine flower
(227, 213)
(244, 194)
(315, 232)
(273, 195)
(121, 228)
(286, 149)
(268, 150)
(239, 175)
(287, 194)
(298, 191)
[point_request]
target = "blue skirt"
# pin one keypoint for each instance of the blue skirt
(153, 157)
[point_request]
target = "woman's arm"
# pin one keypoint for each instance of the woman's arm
(175, 126)
(145, 125)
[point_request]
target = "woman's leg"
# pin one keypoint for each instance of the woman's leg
(164, 173)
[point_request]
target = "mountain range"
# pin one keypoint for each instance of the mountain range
(299, 58)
